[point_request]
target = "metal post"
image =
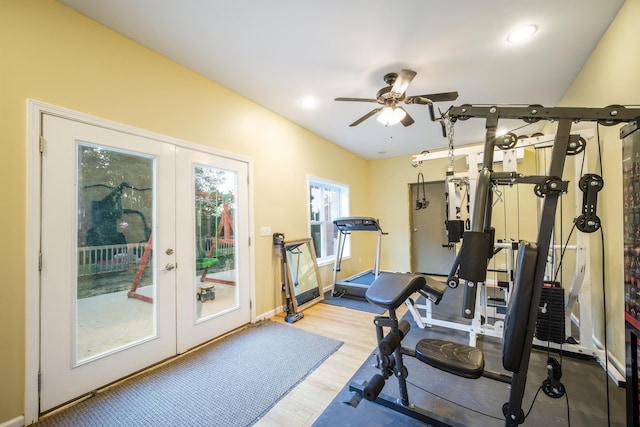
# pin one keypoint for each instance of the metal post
(513, 411)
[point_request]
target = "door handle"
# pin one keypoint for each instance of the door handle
(169, 267)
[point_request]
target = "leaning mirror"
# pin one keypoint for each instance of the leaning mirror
(303, 274)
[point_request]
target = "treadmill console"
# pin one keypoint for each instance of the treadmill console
(357, 223)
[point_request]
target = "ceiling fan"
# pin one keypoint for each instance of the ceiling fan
(389, 96)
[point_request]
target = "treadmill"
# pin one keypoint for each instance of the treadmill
(355, 286)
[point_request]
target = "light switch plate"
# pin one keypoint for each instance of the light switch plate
(265, 231)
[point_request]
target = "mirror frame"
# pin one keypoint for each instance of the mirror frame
(292, 291)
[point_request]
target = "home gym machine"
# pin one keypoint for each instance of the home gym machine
(577, 337)
(355, 286)
(391, 290)
(460, 187)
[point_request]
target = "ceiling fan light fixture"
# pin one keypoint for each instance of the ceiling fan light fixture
(391, 116)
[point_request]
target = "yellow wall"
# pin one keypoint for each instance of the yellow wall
(50, 53)
(610, 76)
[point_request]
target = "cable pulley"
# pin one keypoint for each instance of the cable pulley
(552, 386)
(591, 181)
(613, 113)
(464, 108)
(534, 109)
(590, 184)
(507, 141)
(549, 185)
(577, 144)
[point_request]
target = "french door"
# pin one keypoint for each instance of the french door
(211, 299)
(144, 249)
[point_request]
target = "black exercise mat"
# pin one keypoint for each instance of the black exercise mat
(478, 403)
(353, 303)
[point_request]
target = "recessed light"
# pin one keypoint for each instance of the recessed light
(522, 33)
(308, 102)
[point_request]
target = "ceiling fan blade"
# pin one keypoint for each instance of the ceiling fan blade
(357, 99)
(365, 117)
(439, 97)
(402, 82)
(407, 120)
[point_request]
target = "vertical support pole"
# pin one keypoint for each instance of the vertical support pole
(450, 190)
(480, 202)
(472, 161)
(336, 265)
(399, 369)
(376, 262)
(481, 210)
(471, 288)
(513, 410)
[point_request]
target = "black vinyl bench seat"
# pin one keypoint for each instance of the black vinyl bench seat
(391, 290)
(458, 359)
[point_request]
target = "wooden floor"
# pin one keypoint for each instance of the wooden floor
(304, 404)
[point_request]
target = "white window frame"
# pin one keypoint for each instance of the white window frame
(344, 211)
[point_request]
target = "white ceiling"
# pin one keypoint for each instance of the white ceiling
(276, 52)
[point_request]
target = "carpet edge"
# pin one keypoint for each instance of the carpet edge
(304, 377)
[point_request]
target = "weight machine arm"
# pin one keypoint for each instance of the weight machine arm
(607, 116)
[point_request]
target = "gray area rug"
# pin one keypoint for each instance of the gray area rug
(231, 382)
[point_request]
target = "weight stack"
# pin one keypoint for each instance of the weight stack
(550, 325)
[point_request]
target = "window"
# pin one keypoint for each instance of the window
(327, 201)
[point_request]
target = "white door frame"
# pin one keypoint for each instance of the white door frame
(35, 109)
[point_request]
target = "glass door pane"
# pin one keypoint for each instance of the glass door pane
(115, 286)
(215, 241)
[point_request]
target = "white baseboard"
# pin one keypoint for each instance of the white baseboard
(280, 309)
(16, 422)
(267, 314)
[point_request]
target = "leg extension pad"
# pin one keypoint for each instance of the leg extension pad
(390, 290)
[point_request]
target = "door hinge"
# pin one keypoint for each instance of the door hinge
(41, 144)
(40, 261)
(249, 241)
(39, 381)
(250, 304)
